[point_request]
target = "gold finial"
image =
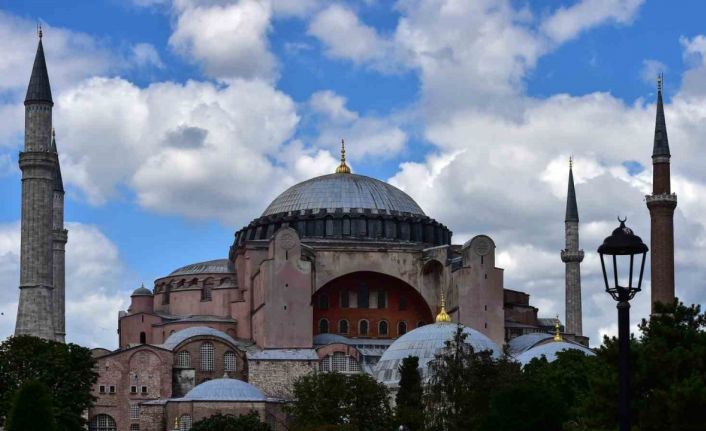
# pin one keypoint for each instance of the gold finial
(571, 162)
(557, 330)
(343, 167)
(660, 79)
(443, 316)
(39, 30)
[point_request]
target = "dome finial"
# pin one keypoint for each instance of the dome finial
(557, 330)
(343, 167)
(443, 316)
(39, 30)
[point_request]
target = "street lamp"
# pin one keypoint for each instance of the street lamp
(621, 245)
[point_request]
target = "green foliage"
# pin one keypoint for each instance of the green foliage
(66, 369)
(409, 408)
(462, 384)
(31, 409)
(333, 401)
(220, 422)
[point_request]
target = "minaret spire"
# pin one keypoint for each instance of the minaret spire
(343, 167)
(572, 257)
(39, 89)
(661, 203)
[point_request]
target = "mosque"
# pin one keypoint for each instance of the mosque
(340, 273)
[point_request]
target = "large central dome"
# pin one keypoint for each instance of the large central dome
(343, 190)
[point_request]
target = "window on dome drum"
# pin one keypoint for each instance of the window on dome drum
(323, 326)
(323, 301)
(363, 327)
(345, 298)
(102, 423)
(363, 295)
(339, 362)
(382, 328)
(229, 361)
(207, 288)
(184, 423)
(401, 328)
(343, 326)
(183, 359)
(207, 357)
(134, 411)
(143, 338)
(382, 299)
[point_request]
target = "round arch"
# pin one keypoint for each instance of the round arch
(371, 297)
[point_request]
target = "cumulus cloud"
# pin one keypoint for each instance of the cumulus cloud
(229, 39)
(97, 284)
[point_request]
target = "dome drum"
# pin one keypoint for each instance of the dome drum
(359, 224)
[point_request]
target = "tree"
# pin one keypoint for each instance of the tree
(462, 383)
(31, 409)
(67, 370)
(409, 408)
(334, 401)
(220, 422)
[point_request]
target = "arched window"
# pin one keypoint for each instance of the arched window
(323, 301)
(401, 328)
(183, 359)
(363, 327)
(184, 423)
(323, 326)
(143, 338)
(207, 288)
(229, 361)
(383, 328)
(343, 326)
(102, 423)
(339, 362)
(207, 357)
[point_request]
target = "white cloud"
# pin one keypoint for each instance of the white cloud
(650, 70)
(145, 54)
(97, 284)
(229, 40)
(568, 22)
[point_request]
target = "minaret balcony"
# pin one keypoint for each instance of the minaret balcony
(662, 197)
(572, 255)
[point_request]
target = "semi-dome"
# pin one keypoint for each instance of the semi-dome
(346, 191)
(424, 343)
(549, 350)
(224, 389)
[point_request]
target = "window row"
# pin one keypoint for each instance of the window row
(364, 327)
(339, 362)
(361, 298)
(183, 359)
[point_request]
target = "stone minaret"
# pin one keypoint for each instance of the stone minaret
(60, 237)
(572, 257)
(39, 165)
(661, 204)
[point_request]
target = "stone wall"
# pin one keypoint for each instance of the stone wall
(276, 378)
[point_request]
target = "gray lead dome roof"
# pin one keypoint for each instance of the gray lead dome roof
(343, 191)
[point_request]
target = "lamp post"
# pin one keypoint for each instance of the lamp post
(620, 245)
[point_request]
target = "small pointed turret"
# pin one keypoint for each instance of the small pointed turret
(58, 181)
(572, 210)
(39, 89)
(661, 144)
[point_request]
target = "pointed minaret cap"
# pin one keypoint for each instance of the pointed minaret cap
(572, 210)
(39, 89)
(343, 167)
(661, 144)
(58, 181)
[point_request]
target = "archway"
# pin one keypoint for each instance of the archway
(368, 305)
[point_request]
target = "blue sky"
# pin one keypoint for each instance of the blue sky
(467, 138)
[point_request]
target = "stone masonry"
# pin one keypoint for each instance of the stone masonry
(572, 257)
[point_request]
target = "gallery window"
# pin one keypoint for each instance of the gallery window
(363, 327)
(401, 328)
(382, 299)
(323, 326)
(383, 328)
(345, 298)
(323, 301)
(343, 326)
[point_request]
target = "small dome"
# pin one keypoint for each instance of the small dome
(549, 350)
(224, 390)
(424, 343)
(525, 342)
(218, 266)
(142, 291)
(345, 191)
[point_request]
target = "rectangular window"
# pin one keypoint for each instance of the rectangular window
(143, 389)
(382, 299)
(101, 389)
(134, 411)
(112, 389)
(363, 296)
(345, 299)
(134, 427)
(133, 389)
(403, 302)
(373, 303)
